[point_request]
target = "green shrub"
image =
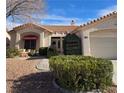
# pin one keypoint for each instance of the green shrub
(82, 72)
(43, 51)
(51, 52)
(12, 52)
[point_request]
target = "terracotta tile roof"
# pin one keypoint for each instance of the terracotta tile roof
(95, 21)
(57, 28)
(30, 25)
(50, 28)
(101, 18)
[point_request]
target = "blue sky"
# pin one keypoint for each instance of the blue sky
(61, 12)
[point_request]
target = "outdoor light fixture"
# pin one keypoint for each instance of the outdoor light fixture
(85, 37)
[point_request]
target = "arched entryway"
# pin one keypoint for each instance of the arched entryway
(30, 41)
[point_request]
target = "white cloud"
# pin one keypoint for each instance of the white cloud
(59, 18)
(107, 10)
(72, 5)
(52, 20)
(60, 23)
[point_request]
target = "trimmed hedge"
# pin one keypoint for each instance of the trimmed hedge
(12, 52)
(82, 73)
(51, 52)
(43, 51)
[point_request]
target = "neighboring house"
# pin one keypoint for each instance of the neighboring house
(98, 37)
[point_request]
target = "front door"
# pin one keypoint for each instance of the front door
(55, 42)
(30, 44)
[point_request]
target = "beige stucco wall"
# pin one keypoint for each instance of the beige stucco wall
(108, 24)
(47, 39)
(78, 34)
(13, 39)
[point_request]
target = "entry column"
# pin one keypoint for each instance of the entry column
(61, 45)
(42, 39)
(86, 43)
(17, 40)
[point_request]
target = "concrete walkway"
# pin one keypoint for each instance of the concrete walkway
(43, 65)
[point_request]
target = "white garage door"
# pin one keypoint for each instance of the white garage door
(103, 46)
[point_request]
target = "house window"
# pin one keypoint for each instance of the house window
(30, 44)
(30, 41)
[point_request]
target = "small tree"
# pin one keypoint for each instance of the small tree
(19, 9)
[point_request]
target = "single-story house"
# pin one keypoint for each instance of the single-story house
(98, 37)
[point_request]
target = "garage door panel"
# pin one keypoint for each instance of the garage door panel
(105, 47)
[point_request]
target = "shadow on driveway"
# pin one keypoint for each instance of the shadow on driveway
(40, 82)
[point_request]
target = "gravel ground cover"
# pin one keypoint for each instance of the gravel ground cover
(23, 77)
